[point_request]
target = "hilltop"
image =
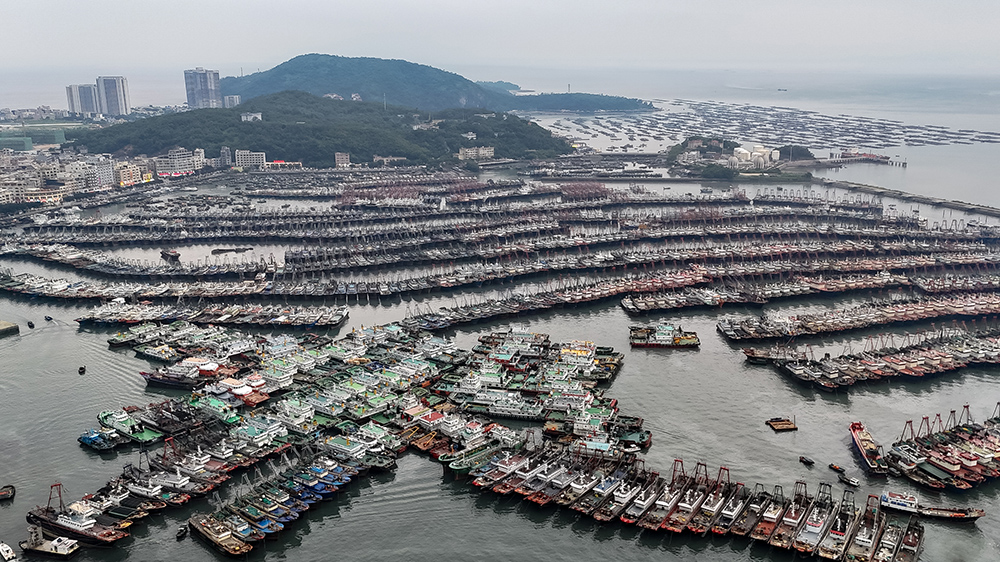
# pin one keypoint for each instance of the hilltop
(407, 84)
(302, 126)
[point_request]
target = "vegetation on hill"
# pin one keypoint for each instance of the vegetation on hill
(407, 84)
(797, 152)
(298, 126)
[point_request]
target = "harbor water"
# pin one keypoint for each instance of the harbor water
(701, 405)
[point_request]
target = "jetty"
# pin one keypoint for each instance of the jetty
(9, 329)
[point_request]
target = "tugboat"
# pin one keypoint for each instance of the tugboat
(60, 548)
(218, 535)
(78, 526)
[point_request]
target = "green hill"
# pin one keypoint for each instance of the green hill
(302, 127)
(407, 84)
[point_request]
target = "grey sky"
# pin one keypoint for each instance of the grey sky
(48, 44)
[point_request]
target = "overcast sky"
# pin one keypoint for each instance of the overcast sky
(540, 44)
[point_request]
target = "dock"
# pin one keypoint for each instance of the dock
(781, 424)
(8, 329)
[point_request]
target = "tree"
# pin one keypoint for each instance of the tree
(715, 171)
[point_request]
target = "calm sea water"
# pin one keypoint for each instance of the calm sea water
(705, 405)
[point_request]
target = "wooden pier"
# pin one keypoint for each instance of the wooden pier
(8, 329)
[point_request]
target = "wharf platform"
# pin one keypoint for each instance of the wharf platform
(9, 329)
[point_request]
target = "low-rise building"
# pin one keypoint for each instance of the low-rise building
(250, 159)
(177, 162)
(342, 159)
(249, 117)
(475, 153)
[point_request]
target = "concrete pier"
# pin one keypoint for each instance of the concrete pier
(9, 329)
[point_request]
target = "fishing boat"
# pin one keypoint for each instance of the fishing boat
(747, 520)
(80, 526)
(912, 543)
(643, 502)
(103, 439)
(794, 517)
(891, 538)
(733, 508)
(870, 527)
(909, 503)
(690, 502)
(120, 421)
(667, 501)
(60, 548)
(818, 518)
(662, 335)
(770, 516)
(712, 506)
(869, 452)
(217, 535)
(841, 530)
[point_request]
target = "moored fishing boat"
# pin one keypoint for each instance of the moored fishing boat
(58, 522)
(666, 502)
(909, 503)
(817, 519)
(60, 548)
(757, 504)
(870, 527)
(868, 451)
(842, 529)
(712, 506)
(891, 538)
(734, 507)
(690, 502)
(793, 518)
(912, 542)
(662, 335)
(217, 535)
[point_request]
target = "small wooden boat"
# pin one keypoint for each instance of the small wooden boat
(31, 324)
(849, 480)
(48, 318)
(82, 370)
(7, 492)
(806, 461)
(836, 468)
(182, 532)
